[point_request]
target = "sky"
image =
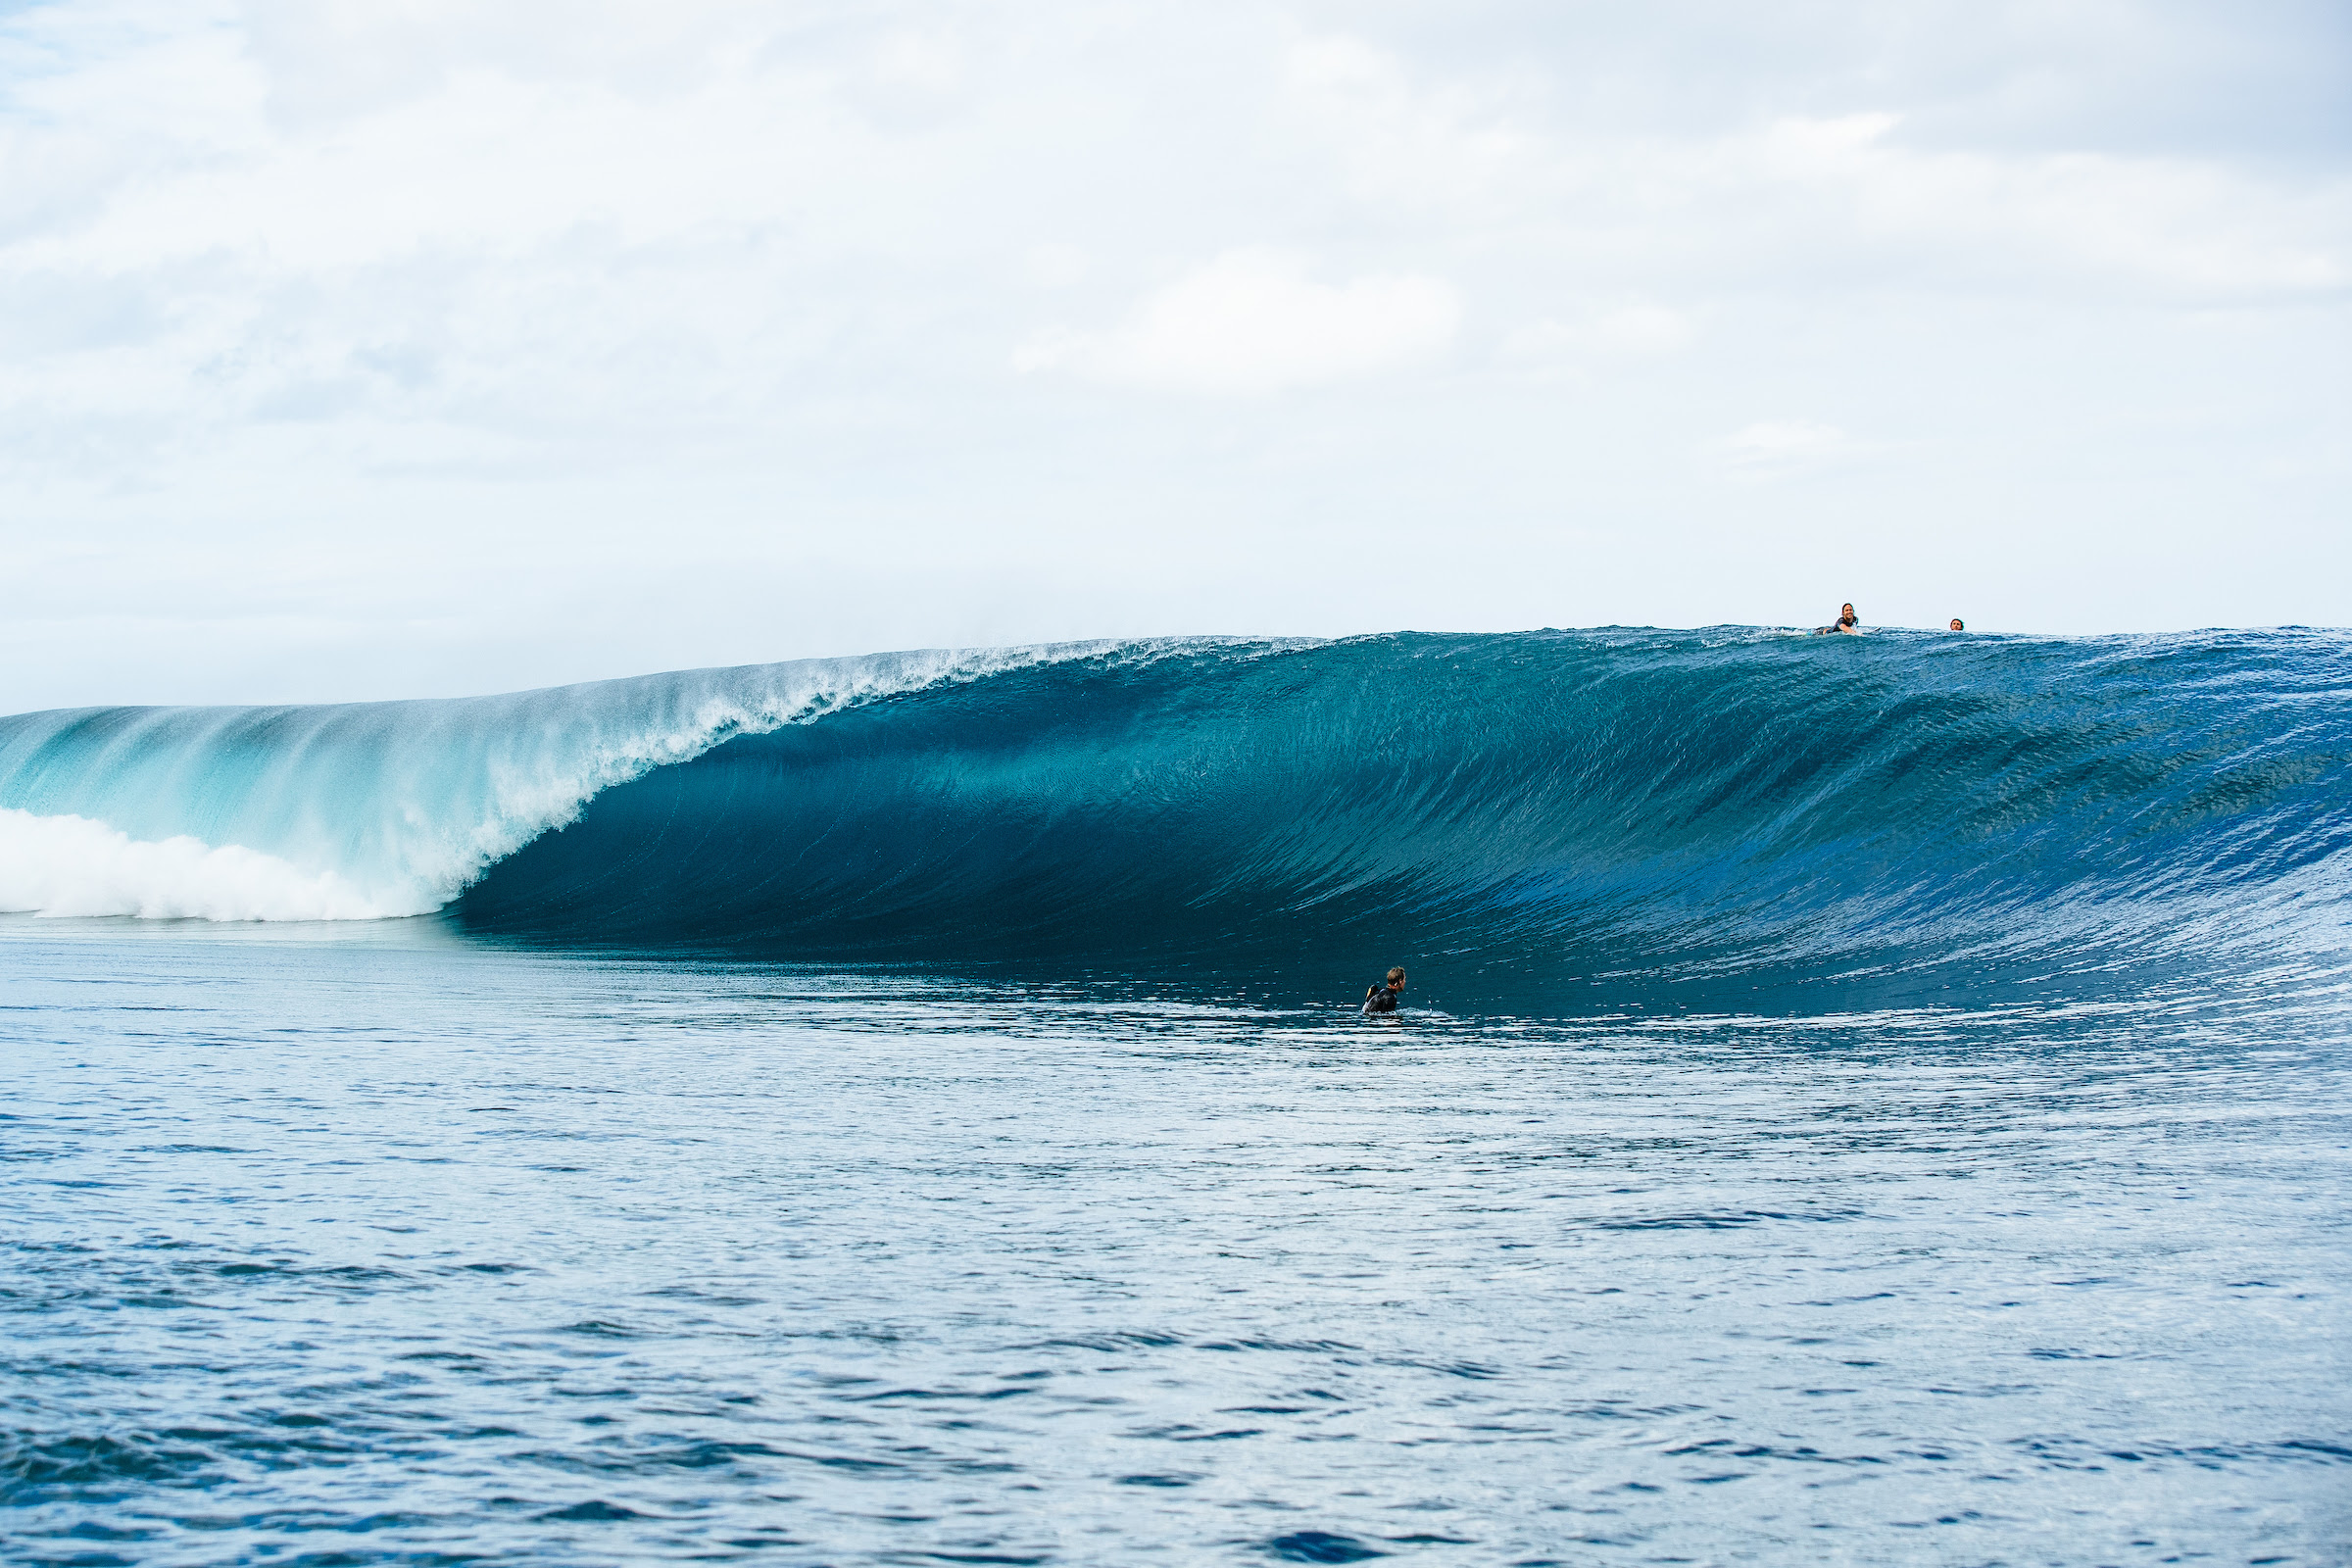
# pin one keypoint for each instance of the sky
(355, 349)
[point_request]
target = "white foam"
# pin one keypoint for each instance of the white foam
(72, 866)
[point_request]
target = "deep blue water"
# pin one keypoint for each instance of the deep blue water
(1865, 1101)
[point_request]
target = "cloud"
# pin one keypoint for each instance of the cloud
(1253, 321)
(2174, 225)
(488, 316)
(1773, 449)
(1403, 141)
(1642, 329)
(1624, 331)
(1056, 266)
(1501, 155)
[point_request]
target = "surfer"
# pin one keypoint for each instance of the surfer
(1846, 620)
(1382, 997)
(1957, 625)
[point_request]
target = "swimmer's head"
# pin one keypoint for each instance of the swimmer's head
(1396, 979)
(1956, 626)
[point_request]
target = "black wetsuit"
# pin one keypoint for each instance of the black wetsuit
(1381, 999)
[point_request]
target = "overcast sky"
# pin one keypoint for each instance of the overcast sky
(375, 348)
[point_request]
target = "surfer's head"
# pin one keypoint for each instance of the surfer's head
(1956, 626)
(1395, 979)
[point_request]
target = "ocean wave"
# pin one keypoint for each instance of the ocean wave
(396, 805)
(1543, 810)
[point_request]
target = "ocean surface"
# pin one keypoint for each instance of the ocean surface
(1858, 1100)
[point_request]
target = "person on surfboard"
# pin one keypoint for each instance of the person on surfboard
(1382, 997)
(1846, 620)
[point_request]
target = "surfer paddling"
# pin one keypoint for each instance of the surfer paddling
(1382, 997)
(1846, 620)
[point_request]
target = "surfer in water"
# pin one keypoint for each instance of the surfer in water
(1846, 620)
(1956, 625)
(1383, 998)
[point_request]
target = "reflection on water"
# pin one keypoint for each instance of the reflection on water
(400, 1248)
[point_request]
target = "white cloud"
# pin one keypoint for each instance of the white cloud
(1404, 140)
(1624, 331)
(1779, 448)
(2069, 218)
(1056, 265)
(545, 325)
(1255, 321)
(1642, 329)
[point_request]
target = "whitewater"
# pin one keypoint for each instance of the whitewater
(1858, 1100)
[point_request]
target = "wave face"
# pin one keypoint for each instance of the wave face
(397, 806)
(1518, 817)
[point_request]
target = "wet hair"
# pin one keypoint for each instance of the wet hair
(1958, 624)
(1395, 976)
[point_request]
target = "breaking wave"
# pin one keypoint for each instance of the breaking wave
(1730, 809)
